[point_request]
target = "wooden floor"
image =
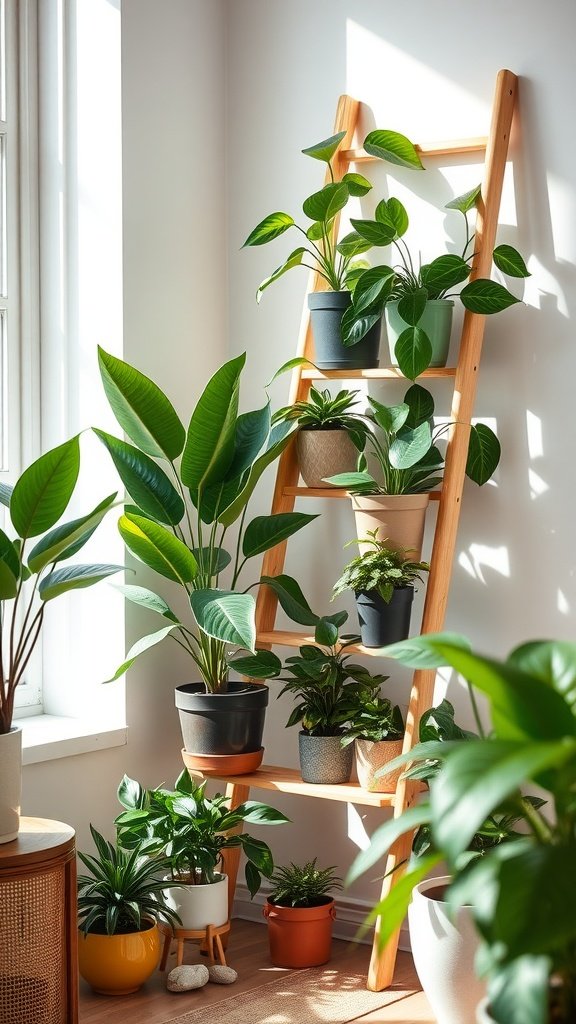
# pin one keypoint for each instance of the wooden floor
(248, 954)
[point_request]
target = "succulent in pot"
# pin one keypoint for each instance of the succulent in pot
(300, 911)
(34, 570)
(186, 489)
(376, 728)
(190, 832)
(383, 581)
(337, 324)
(120, 903)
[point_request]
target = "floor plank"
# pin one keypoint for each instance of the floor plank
(248, 954)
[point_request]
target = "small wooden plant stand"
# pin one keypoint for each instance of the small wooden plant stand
(210, 942)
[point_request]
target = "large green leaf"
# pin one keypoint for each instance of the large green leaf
(410, 446)
(520, 993)
(158, 548)
(262, 665)
(252, 432)
(353, 245)
(509, 261)
(355, 327)
(465, 202)
(275, 448)
(374, 285)
(271, 227)
(374, 231)
(146, 483)
(390, 417)
(443, 273)
(64, 541)
(412, 305)
(147, 599)
(293, 260)
(420, 403)
(392, 910)
(483, 296)
(357, 184)
(226, 615)
(143, 411)
(291, 599)
(43, 491)
(142, 645)
(325, 204)
(9, 568)
(483, 453)
(210, 440)
(74, 577)
(264, 532)
(256, 813)
(325, 150)
(413, 350)
(393, 147)
(554, 662)
(353, 480)
(425, 651)
(384, 837)
(212, 560)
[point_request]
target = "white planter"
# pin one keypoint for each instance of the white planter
(10, 784)
(200, 905)
(444, 952)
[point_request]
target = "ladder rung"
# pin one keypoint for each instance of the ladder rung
(331, 492)
(376, 373)
(451, 148)
(290, 638)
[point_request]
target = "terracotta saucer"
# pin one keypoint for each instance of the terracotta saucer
(223, 764)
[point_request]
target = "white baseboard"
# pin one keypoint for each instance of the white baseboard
(350, 915)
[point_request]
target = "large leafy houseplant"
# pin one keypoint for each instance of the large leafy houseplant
(522, 894)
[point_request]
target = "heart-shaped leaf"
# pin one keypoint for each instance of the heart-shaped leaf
(374, 231)
(483, 453)
(325, 204)
(325, 150)
(509, 261)
(294, 260)
(357, 184)
(483, 296)
(393, 147)
(413, 351)
(271, 227)
(465, 202)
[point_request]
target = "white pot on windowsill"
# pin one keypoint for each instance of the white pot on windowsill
(11, 783)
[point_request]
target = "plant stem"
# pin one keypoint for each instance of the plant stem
(475, 711)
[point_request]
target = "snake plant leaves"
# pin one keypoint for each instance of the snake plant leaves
(146, 483)
(325, 150)
(143, 411)
(293, 260)
(393, 147)
(353, 245)
(142, 645)
(465, 202)
(43, 491)
(357, 184)
(374, 231)
(210, 440)
(9, 568)
(64, 541)
(443, 273)
(226, 615)
(147, 599)
(74, 577)
(325, 204)
(483, 453)
(159, 549)
(271, 227)
(413, 351)
(483, 296)
(5, 494)
(355, 327)
(291, 599)
(509, 261)
(420, 403)
(264, 532)
(409, 446)
(412, 305)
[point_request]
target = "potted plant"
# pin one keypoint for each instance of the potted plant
(402, 444)
(327, 426)
(300, 911)
(418, 299)
(120, 903)
(186, 489)
(189, 832)
(383, 581)
(376, 728)
(32, 574)
(337, 325)
(521, 894)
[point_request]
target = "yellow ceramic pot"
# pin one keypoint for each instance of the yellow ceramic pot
(116, 965)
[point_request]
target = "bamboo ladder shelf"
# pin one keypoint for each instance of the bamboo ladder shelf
(286, 491)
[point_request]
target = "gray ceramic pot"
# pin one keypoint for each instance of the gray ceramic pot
(324, 760)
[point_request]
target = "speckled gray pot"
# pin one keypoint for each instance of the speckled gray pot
(323, 759)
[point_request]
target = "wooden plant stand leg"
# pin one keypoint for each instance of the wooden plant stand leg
(210, 939)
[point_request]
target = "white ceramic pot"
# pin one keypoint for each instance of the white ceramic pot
(483, 1015)
(200, 905)
(444, 952)
(10, 784)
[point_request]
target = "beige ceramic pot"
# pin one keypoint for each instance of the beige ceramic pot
(10, 784)
(398, 518)
(323, 453)
(370, 758)
(200, 905)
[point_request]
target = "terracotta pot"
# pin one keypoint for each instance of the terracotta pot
(444, 950)
(436, 322)
(370, 757)
(199, 905)
(323, 453)
(398, 518)
(323, 760)
(116, 965)
(300, 936)
(11, 787)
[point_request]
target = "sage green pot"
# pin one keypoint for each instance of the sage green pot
(436, 321)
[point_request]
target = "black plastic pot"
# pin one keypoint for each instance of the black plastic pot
(222, 723)
(326, 310)
(382, 623)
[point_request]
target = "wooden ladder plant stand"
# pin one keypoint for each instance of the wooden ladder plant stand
(286, 491)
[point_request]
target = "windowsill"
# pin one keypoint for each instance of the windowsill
(47, 737)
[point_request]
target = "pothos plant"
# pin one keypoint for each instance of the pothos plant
(187, 488)
(32, 552)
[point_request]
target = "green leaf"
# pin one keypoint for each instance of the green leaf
(66, 540)
(390, 417)
(143, 411)
(412, 305)
(392, 910)
(146, 483)
(374, 231)
(253, 879)
(252, 432)
(256, 813)
(355, 327)
(325, 150)
(521, 992)
(262, 665)
(357, 184)
(9, 568)
(146, 599)
(226, 615)
(213, 560)
(443, 273)
(482, 296)
(413, 350)
(353, 245)
(326, 633)
(509, 261)
(554, 662)
(271, 227)
(393, 147)
(264, 532)
(353, 480)
(291, 364)
(483, 453)
(318, 229)
(275, 449)
(393, 213)
(465, 202)
(293, 260)
(142, 645)
(424, 651)
(291, 599)
(409, 446)
(420, 403)
(325, 204)
(74, 577)
(210, 440)
(130, 793)
(158, 548)
(374, 285)
(43, 491)
(5, 494)
(384, 837)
